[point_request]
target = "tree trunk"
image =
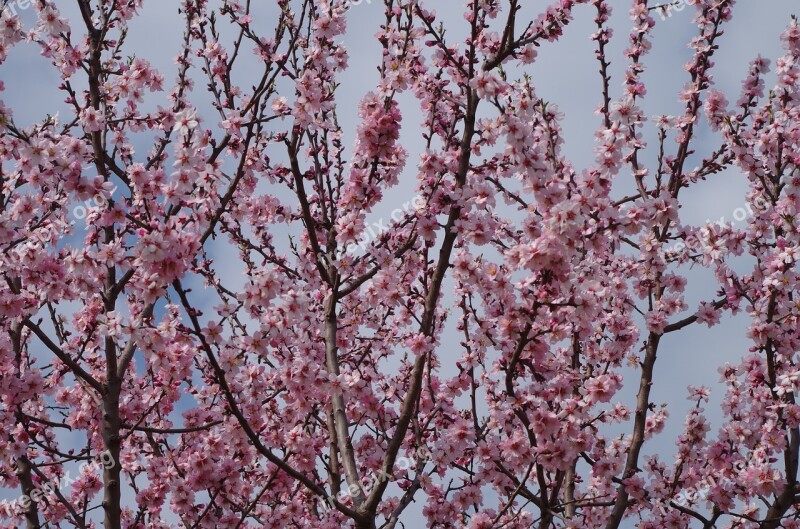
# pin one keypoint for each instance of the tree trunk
(366, 523)
(26, 482)
(112, 470)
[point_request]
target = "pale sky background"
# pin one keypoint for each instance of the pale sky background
(565, 73)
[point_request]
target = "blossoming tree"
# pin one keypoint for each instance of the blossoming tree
(466, 362)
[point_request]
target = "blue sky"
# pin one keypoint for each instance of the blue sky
(566, 74)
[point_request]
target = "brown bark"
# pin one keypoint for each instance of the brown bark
(26, 484)
(642, 406)
(112, 473)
